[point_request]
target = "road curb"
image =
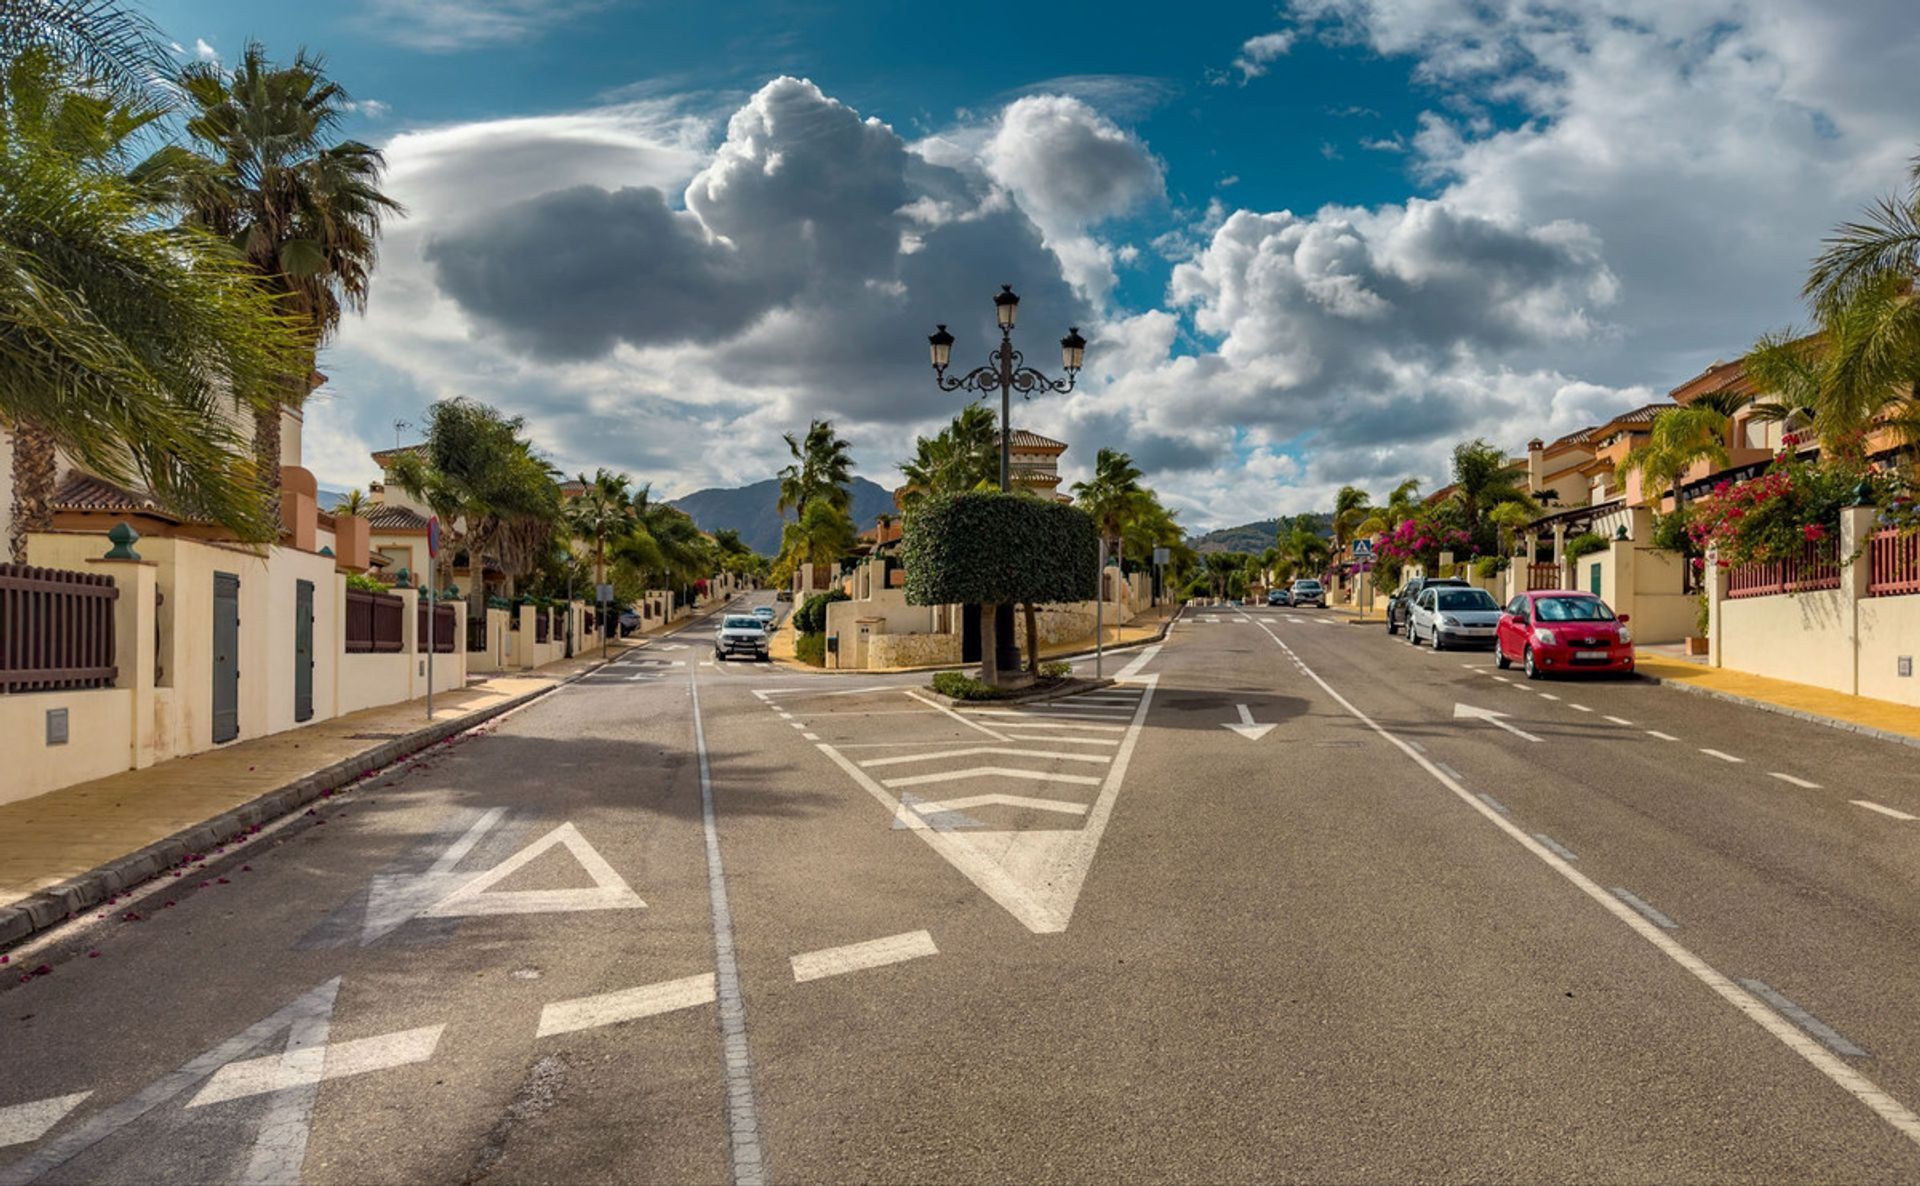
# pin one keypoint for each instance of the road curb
(56, 904)
(1783, 710)
(1070, 687)
(800, 668)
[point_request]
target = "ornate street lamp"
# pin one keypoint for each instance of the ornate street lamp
(1006, 372)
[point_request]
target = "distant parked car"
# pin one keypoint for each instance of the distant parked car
(784, 595)
(740, 634)
(629, 622)
(1279, 597)
(1558, 630)
(1308, 592)
(1401, 603)
(1450, 617)
(766, 614)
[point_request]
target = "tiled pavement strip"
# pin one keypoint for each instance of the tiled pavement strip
(94, 831)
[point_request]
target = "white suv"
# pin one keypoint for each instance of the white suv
(740, 634)
(1307, 592)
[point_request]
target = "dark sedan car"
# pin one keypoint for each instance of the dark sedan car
(1401, 603)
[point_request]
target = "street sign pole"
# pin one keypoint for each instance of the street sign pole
(433, 553)
(1099, 613)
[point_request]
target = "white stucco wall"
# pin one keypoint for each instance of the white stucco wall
(99, 723)
(1889, 628)
(1802, 637)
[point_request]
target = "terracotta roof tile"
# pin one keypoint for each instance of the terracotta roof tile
(384, 457)
(396, 518)
(84, 492)
(1022, 439)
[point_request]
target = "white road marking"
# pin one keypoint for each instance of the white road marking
(278, 1072)
(1139, 663)
(1654, 916)
(1471, 666)
(1501, 679)
(1798, 782)
(1828, 1036)
(1555, 846)
(747, 1155)
(783, 714)
(280, 1146)
(998, 799)
(458, 850)
(796, 725)
(1494, 803)
(609, 891)
(1889, 1109)
(1045, 714)
(941, 708)
(1661, 736)
(627, 1004)
(971, 750)
(1468, 712)
(856, 957)
(914, 780)
(1245, 726)
(1620, 720)
(1870, 805)
(1724, 757)
(1036, 720)
(1548, 696)
(1061, 739)
(20, 1123)
(811, 736)
(1578, 707)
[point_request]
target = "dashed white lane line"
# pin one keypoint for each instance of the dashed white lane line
(1828, 1036)
(1653, 916)
(971, 750)
(1661, 736)
(1723, 756)
(915, 780)
(797, 725)
(21, 1123)
(1866, 1091)
(856, 957)
(1798, 782)
(1620, 720)
(1870, 805)
(1578, 707)
(276, 1072)
(1548, 696)
(1558, 849)
(1501, 679)
(628, 1004)
(811, 736)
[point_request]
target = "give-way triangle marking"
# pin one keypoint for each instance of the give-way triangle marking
(1245, 726)
(1034, 873)
(442, 893)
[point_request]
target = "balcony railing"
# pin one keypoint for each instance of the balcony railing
(1816, 566)
(1893, 563)
(56, 629)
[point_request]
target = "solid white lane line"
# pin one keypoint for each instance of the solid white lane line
(1658, 919)
(20, 1123)
(1798, 782)
(1724, 757)
(1870, 805)
(1558, 849)
(1620, 721)
(1494, 803)
(1661, 736)
(1863, 1089)
(914, 780)
(1578, 707)
(943, 709)
(1828, 1036)
(627, 1004)
(856, 957)
(1139, 663)
(277, 1072)
(969, 751)
(1001, 800)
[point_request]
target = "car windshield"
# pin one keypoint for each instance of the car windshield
(1466, 599)
(1571, 609)
(1307, 586)
(742, 623)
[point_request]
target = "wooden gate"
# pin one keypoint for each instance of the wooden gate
(303, 650)
(226, 656)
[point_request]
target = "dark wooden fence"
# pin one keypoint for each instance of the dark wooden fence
(443, 629)
(374, 623)
(542, 625)
(56, 629)
(477, 629)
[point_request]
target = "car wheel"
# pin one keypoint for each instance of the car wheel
(1527, 665)
(1439, 641)
(1391, 628)
(1500, 659)
(1413, 633)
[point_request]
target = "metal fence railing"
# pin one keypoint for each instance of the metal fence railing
(1815, 566)
(56, 629)
(477, 632)
(375, 623)
(1893, 563)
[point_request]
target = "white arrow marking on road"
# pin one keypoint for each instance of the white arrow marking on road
(277, 1072)
(21, 1123)
(1245, 726)
(1467, 711)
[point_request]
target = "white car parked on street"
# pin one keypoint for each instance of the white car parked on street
(1452, 615)
(740, 634)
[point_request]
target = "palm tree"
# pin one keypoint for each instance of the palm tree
(820, 536)
(1678, 438)
(601, 513)
(1352, 507)
(822, 469)
(1507, 519)
(108, 42)
(1482, 479)
(1303, 551)
(962, 456)
(127, 341)
(303, 208)
(492, 492)
(353, 502)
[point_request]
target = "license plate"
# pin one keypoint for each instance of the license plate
(1590, 654)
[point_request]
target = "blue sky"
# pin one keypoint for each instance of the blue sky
(1314, 242)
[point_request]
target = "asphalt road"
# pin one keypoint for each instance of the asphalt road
(1282, 903)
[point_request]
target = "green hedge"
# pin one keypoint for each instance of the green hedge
(811, 649)
(811, 617)
(989, 547)
(1585, 544)
(962, 686)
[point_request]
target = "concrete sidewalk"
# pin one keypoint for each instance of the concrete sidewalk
(1860, 714)
(69, 849)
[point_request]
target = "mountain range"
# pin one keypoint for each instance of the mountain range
(1254, 537)
(750, 510)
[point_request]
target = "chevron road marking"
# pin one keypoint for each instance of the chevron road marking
(20, 1123)
(969, 751)
(1001, 800)
(991, 772)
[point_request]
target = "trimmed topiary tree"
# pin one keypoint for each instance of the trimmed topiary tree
(986, 548)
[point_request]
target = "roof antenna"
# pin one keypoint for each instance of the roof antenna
(399, 426)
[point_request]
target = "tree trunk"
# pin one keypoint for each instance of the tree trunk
(989, 642)
(35, 464)
(266, 451)
(1033, 641)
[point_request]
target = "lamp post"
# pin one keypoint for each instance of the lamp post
(1006, 372)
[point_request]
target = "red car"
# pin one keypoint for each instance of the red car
(1556, 630)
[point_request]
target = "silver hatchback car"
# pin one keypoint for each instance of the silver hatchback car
(1449, 616)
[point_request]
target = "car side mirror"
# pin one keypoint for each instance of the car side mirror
(1624, 617)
